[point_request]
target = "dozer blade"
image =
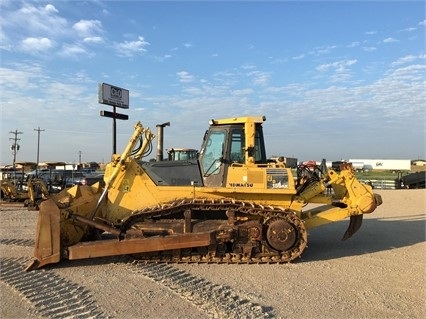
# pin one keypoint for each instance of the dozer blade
(354, 225)
(47, 243)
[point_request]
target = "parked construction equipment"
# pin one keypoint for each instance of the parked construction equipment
(228, 205)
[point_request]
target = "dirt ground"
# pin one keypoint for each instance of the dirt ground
(379, 273)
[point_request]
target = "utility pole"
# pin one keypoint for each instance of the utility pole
(79, 160)
(15, 148)
(38, 147)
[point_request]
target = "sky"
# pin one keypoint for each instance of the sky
(335, 79)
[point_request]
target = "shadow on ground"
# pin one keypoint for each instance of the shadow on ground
(324, 242)
(375, 235)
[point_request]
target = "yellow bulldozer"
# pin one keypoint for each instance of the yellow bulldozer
(36, 191)
(32, 188)
(229, 205)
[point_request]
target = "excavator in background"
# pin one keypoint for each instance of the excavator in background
(11, 193)
(228, 205)
(31, 188)
(36, 191)
(12, 184)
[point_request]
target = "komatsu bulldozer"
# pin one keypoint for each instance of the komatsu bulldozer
(229, 205)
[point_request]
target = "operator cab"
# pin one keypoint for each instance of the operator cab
(229, 148)
(231, 142)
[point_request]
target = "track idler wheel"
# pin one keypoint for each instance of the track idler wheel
(281, 235)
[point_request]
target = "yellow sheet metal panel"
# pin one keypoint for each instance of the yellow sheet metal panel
(235, 120)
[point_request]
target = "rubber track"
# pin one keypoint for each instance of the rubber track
(51, 295)
(217, 301)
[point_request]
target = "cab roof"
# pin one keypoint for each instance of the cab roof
(239, 120)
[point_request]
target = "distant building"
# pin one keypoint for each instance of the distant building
(384, 164)
(418, 163)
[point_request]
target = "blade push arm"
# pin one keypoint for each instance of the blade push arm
(349, 198)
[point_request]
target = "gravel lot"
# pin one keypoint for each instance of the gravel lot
(379, 273)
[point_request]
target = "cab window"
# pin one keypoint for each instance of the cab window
(213, 152)
(237, 146)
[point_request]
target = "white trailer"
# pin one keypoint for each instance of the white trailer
(384, 164)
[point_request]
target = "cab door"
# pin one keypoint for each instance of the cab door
(213, 157)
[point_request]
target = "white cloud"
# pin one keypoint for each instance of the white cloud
(338, 66)
(130, 48)
(88, 28)
(400, 94)
(163, 57)
(73, 50)
(5, 41)
(35, 29)
(40, 21)
(283, 60)
(93, 40)
(241, 92)
(369, 49)
(225, 78)
(404, 60)
(50, 8)
(340, 71)
(390, 40)
(185, 77)
(299, 57)
(259, 77)
(413, 73)
(396, 95)
(409, 29)
(20, 76)
(323, 50)
(248, 67)
(353, 44)
(36, 45)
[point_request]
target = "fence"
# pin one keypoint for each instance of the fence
(381, 183)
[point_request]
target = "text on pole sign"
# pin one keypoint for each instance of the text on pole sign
(113, 95)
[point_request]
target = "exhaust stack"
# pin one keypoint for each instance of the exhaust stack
(160, 134)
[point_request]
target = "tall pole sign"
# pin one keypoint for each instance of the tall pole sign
(116, 97)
